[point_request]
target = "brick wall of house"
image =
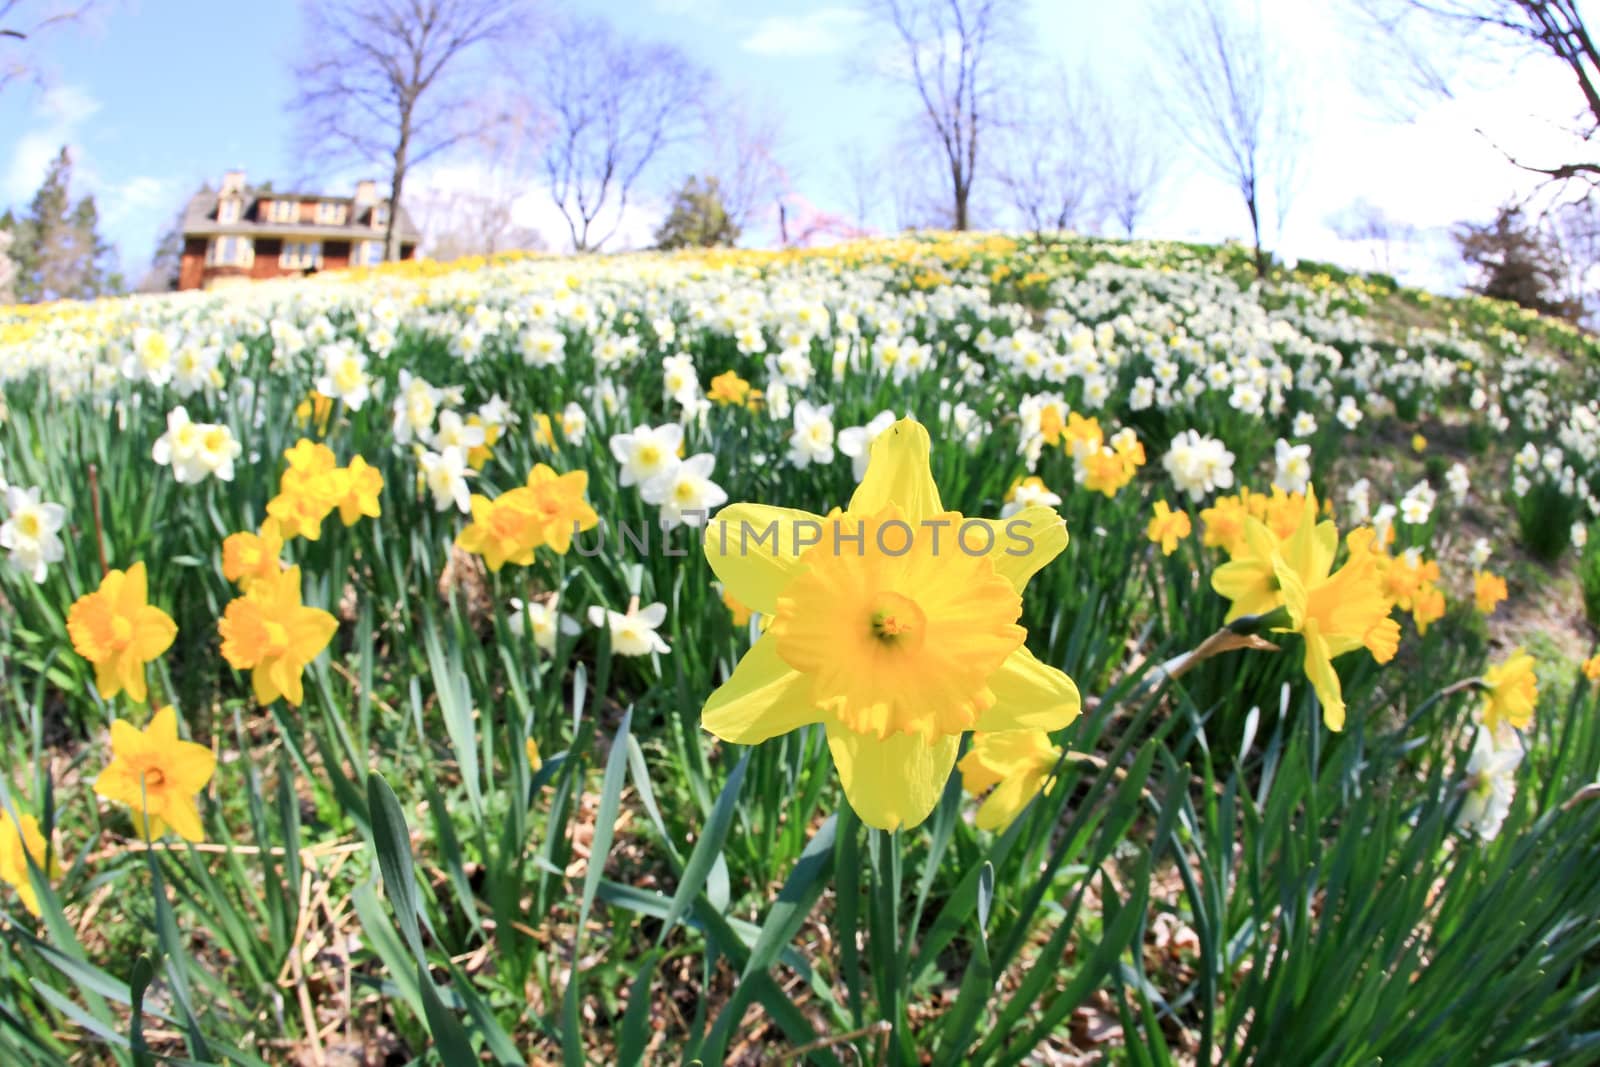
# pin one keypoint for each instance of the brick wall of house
(192, 265)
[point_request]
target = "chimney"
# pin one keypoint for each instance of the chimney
(366, 192)
(232, 182)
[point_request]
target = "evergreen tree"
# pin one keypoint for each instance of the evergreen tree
(698, 219)
(58, 251)
(1517, 261)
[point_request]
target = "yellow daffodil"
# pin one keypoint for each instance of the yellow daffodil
(21, 840)
(1419, 443)
(119, 631)
(248, 556)
(1512, 692)
(1167, 527)
(729, 388)
(270, 633)
(531, 748)
(1083, 435)
(1224, 523)
(545, 512)
(360, 484)
(1016, 764)
(1488, 590)
(314, 412)
(1334, 611)
(158, 776)
(894, 626)
(1337, 613)
(1250, 578)
(1591, 668)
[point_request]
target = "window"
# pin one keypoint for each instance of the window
(230, 252)
(368, 253)
(380, 215)
(330, 213)
(228, 210)
(299, 255)
(284, 211)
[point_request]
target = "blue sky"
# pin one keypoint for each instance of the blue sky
(162, 94)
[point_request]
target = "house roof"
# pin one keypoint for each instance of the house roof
(200, 219)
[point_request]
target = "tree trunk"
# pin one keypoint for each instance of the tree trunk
(961, 206)
(397, 180)
(1255, 232)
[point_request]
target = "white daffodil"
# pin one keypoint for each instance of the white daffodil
(29, 533)
(344, 375)
(446, 474)
(647, 453)
(542, 617)
(633, 633)
(686, 494)
(812, 440)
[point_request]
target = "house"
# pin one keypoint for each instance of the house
(243, 233)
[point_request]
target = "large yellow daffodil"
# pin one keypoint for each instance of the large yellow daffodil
(894, 625)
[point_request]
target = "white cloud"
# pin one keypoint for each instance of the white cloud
(68, 105)
(62, 110)
(818, 32)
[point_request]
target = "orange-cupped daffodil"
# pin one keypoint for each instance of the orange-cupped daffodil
(269, 632)
(119, 631)
(157, 775)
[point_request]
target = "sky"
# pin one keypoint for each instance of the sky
(157, 96)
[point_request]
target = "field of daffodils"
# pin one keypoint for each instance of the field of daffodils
(959, 649)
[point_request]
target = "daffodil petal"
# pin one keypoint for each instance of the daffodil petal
(1022, 544)
(1001, 807)
(1324, 679)
(1029, 695)
(898, 473)
(895, 782)
(754, 550)
(764, 698)
(184, 817)
(192, 768)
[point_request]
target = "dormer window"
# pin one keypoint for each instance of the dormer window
(283, 211)
(228, 210)
(380, 216)
(330, 213)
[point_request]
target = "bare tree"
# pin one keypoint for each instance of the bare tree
(471, 210)
(1231, 99)
(745, 154)
(1133, 167)
(1365, 222)
(1050, 160)
(949, 56)
(1575, 226)
(23, 22)
(863, 181)
(458, 222)
(617, 106)
(397, 81)
(1430, 37)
